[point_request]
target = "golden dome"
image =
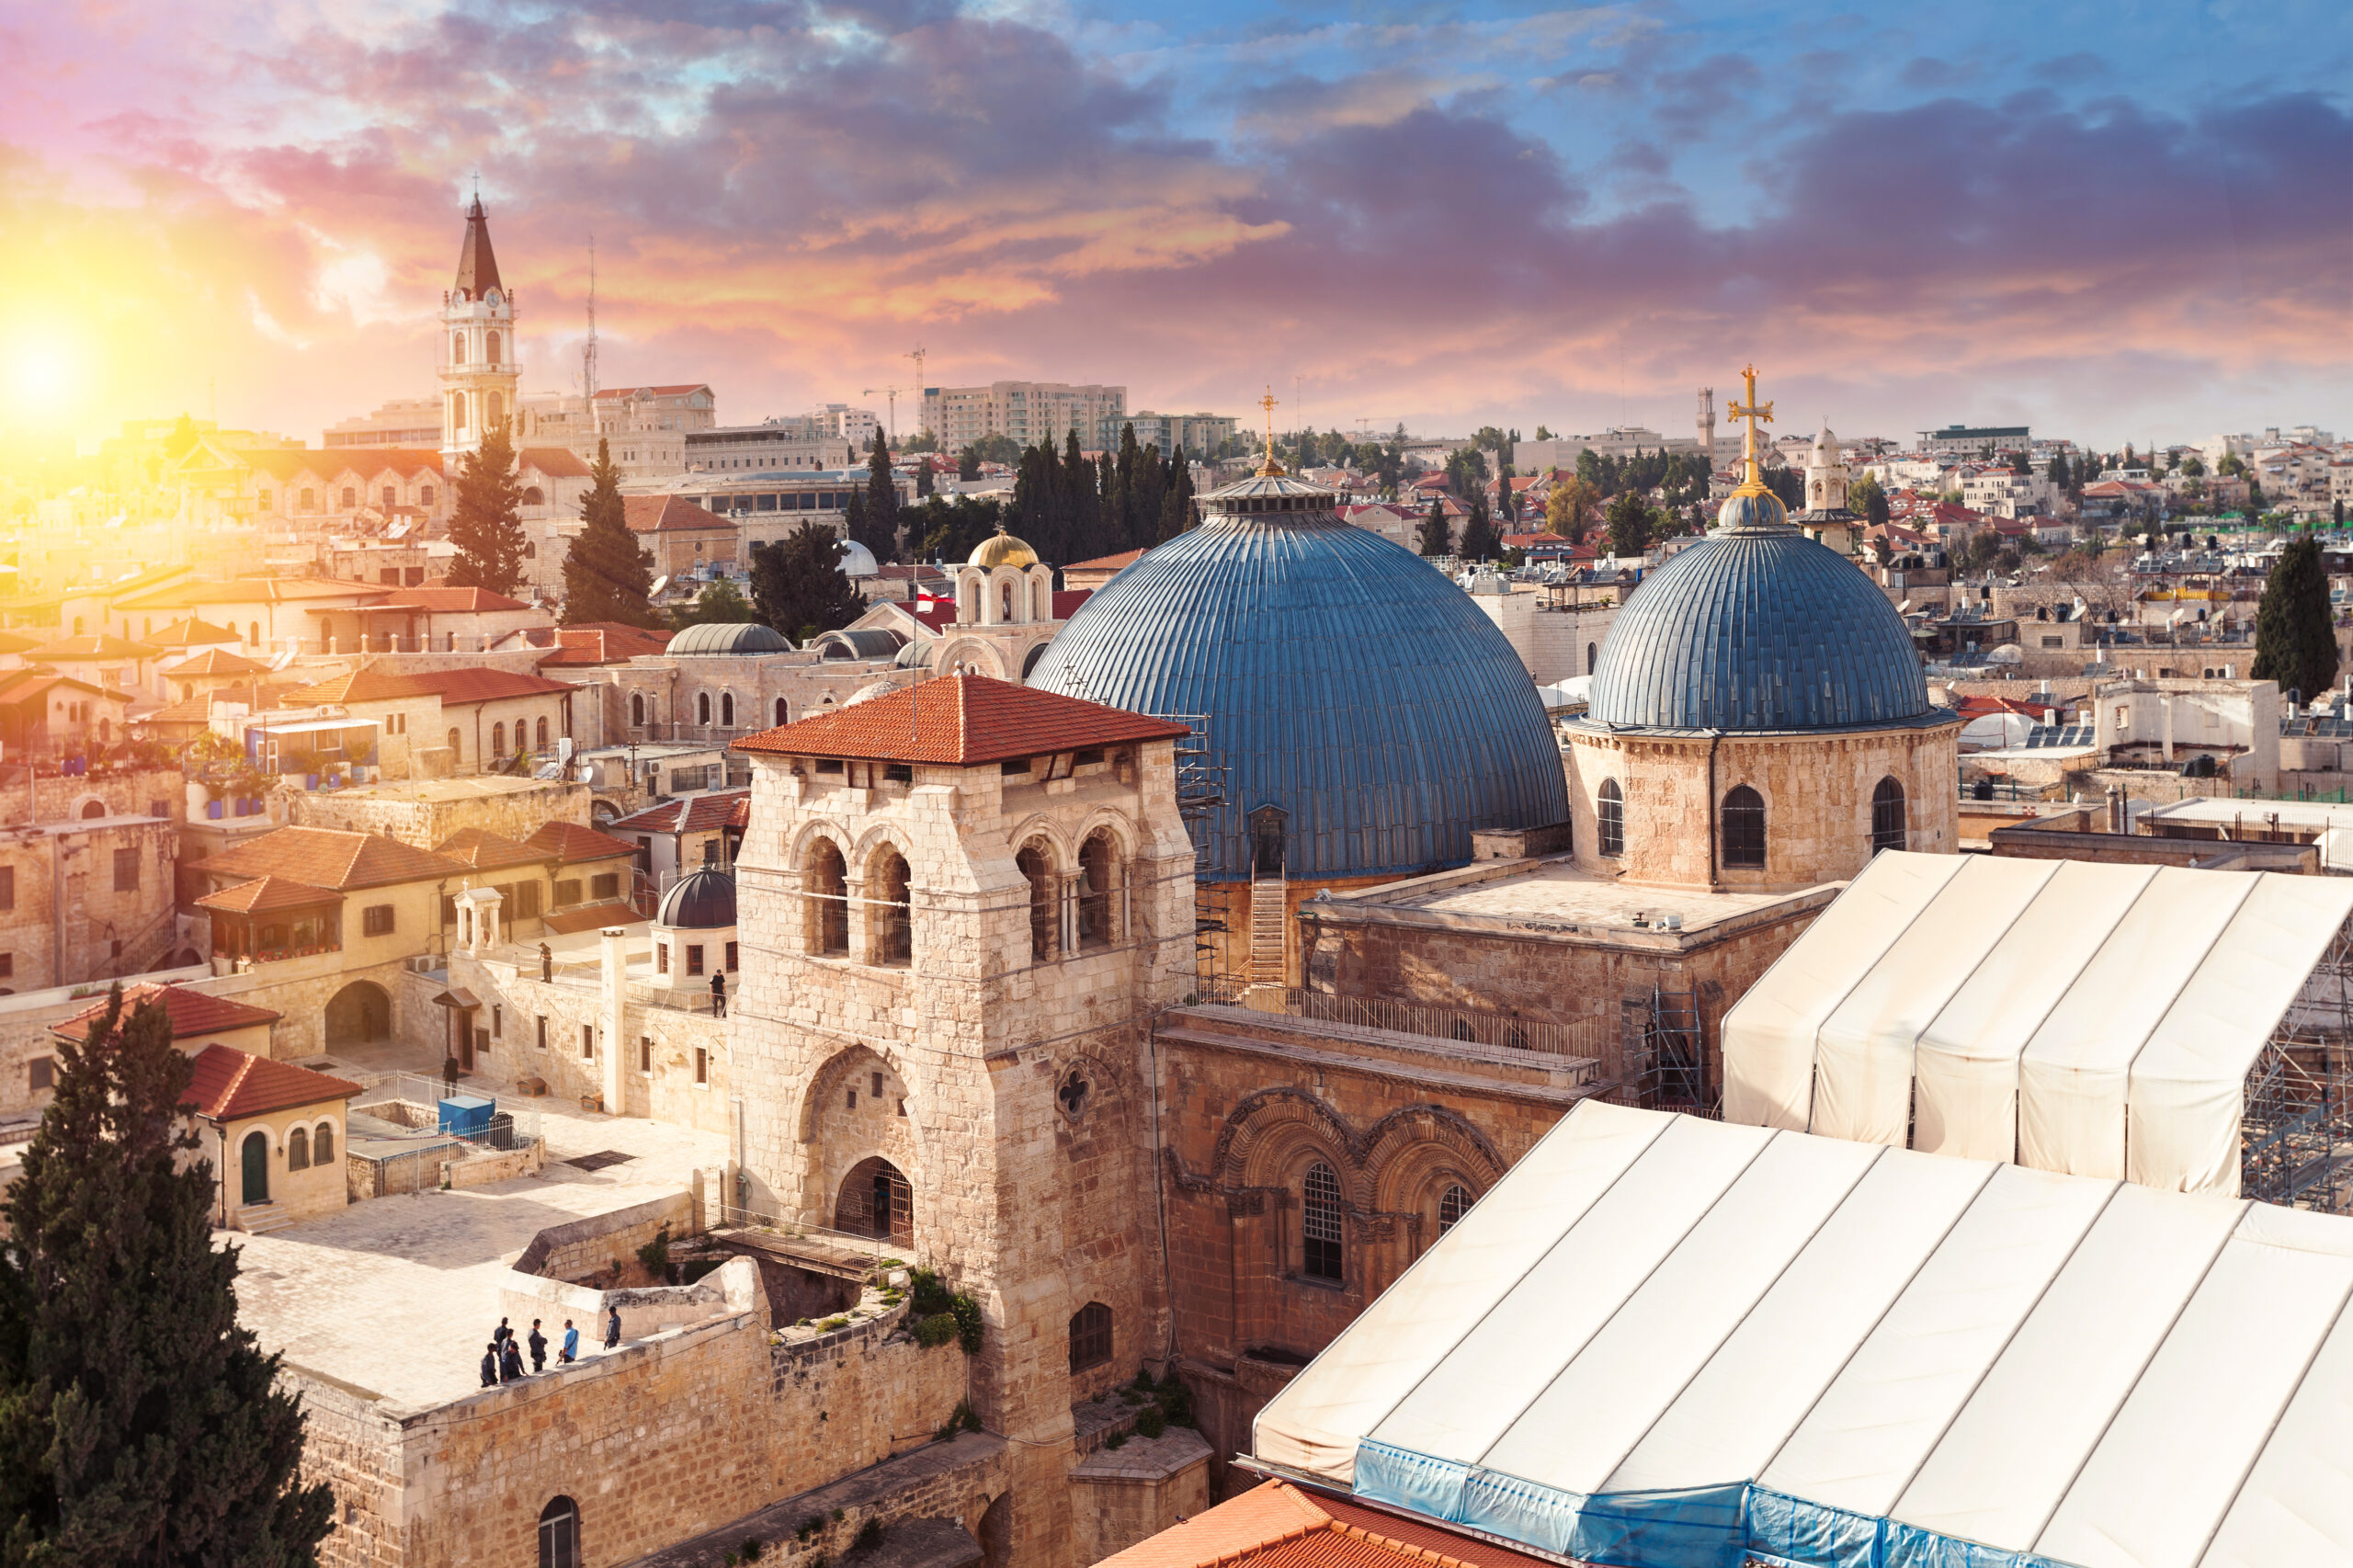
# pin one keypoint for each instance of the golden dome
(1002, 548)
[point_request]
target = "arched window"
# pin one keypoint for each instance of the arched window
(297, 1150)
(1889, 829)
(494, 411)
(323, 1144)
(350, 496)
(490, 348)
(828, 899)
(1592, 656)
(498, 740)
(457, 411)
(780, 712)
(534, 496)
(458, 350)
(1610, 808)
(93, 808)
(1320, 1213)
(1090, 1336)
(1037, 867)
(702, 708)
(1744, 827)
(637, 710)
(456, 751)
(560, 1535)
(540, 735)
(727, 710)
(1452, 1204)
(1007, 597)
(894, 940)
(1098, 866)
(253, 634)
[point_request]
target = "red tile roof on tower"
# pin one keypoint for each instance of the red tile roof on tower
(962, 720)
(332, 857)
(1281, 1526)
(192, 1013)
(659, 514)
(568, 843)
(458, 687)
(451, 601)
(230, 1084)
(696, 813)
(264, 894)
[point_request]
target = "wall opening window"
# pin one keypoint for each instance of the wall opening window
(702, 708)
(126, 871)
(893, 928)
(702, 1065)
(694, 958)
(1744, 827)
(1320, 1222)
(727, 709)
(1037, 867)
(540, 735)
(1609, 809)
(560, 1535)
(588, 1039)
(828, 899)
(1452, 1204)
(323, 1144)
(1889, 829)
(1097, 869)
(297, 1150)
(1090, 1336)
(498, 740)
(637, 710)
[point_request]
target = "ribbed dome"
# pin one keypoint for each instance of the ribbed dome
(699, 901)
(729, 637)
(1001, 549)
(1337, 677)
(1757, 627)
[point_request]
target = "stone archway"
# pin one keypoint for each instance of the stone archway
(359, 1014)
(875, 1200)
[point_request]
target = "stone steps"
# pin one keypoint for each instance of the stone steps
(261, 1218)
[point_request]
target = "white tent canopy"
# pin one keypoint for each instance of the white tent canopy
(2095, 1019)
(1666, 1343)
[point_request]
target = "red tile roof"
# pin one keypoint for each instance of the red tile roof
(486, 851)
(963, 721)
(660, 514)
(30, 684)
(698, 813)
(556, 462)
(99, 647)
(230, 1084)
(591, 917)
(457, 688)
(368, 683)
(1106, 563)
(192, 1013)
(601, 642)
(189, 632)
(16, 642)
(332, 857)
(250, 590)
(217, 660)
(451, 601)
(568, 843)
(264, 894)
(1279, 1526)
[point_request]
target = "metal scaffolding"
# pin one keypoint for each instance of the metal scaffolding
(1665, 1053)
(2296, 1129)
(1201, 795)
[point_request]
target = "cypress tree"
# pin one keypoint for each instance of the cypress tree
(486, 525)
(1081, 504)
(1479, 540)
(2294, 641)
(606, 577)
(1436, 532)
(923, 480)
(138, 1422)
(880, 514)
(1176, 505)
(1128, 482)
(799, 587)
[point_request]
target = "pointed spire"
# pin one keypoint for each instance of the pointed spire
(477, 267)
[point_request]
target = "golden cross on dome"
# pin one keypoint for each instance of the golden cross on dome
(1270, 466)
(1755, 414)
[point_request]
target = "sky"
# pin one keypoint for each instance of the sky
(2117, 221)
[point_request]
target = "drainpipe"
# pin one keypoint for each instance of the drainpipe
(615, 977)
(1715, 739)
(56, 911)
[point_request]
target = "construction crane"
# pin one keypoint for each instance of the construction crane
(892, 393)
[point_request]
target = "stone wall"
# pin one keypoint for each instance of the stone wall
(485, 1166)
(582, 1247)
(1122, 1496)
(1564, 643)
(431, 814)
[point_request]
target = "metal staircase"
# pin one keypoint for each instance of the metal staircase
(1267, 930)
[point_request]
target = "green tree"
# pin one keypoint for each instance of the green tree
(1543, 434)
(968, 464)
(1479, 540)
(138, 1423)
(1630, 523)
(1569, 510)
(2295, 641)
(606, 577)
(1868, 501)
(720, 603)
(798, 584)
(2057, 472)
(1176, 502)
(1436, 533)
(2193, 466)
(923, 478)
(487, 524)
(878, 519)
(951, 531)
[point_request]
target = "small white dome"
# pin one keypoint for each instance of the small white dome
(858, 561)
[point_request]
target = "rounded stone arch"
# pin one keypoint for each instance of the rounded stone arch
(839, 1134)
(971, 587)
(804, 842)
(1273, 1134)
(1037, 651)
(89, 808)
(1106, 819)
(358, 1014)
(877, 837)
(972, 654)
(1411, 1147)
(1038, 824)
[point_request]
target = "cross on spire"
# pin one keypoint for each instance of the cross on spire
(1755, 414)
(1270, 466)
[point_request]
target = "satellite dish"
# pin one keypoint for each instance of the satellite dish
(659, 583)
(587, 773)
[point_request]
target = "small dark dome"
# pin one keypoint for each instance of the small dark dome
(714, 638)
(701, 900)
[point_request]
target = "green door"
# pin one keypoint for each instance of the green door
(256, 1167)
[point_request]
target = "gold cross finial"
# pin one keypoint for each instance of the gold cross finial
(1753, 476)
(1269, 468)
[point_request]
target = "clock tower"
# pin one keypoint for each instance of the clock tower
(480, 374)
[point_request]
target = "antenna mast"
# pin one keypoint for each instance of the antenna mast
(588, 349)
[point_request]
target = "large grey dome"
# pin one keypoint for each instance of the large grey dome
(699, 901)
(1337, 677)
(720, 637)
(1758, 627)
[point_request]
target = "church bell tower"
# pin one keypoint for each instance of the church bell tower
(479, 375)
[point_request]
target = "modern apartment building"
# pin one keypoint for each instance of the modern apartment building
(1197, 433)
(1027, 411)
(1975, 440)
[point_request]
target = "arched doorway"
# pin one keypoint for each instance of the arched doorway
(875, 1200)
(92, 810)
(560, 1534)
(359, 1014)
(255, 1151)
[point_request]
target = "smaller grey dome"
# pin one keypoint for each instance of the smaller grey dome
(716, 638)
(701, 900)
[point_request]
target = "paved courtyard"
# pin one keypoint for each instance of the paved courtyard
(398, 1295)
